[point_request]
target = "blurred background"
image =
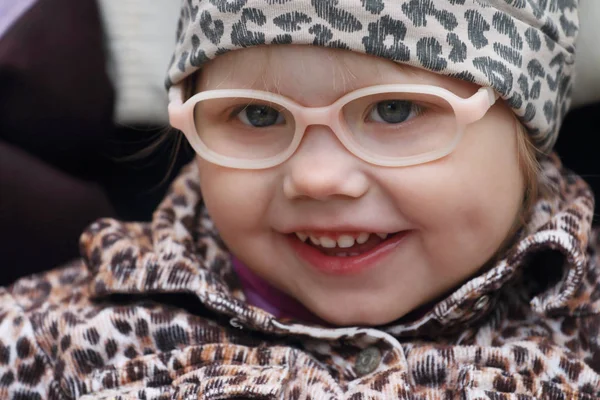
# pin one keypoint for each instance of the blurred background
(83, 123)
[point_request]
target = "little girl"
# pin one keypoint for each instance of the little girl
(374, 213)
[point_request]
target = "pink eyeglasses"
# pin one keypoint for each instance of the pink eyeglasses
(385, 125)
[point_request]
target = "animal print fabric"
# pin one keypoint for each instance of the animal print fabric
(154, 311)
(524, 49)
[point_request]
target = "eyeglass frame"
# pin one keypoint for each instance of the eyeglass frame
(466, 110)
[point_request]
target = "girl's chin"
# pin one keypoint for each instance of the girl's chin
(346, 313)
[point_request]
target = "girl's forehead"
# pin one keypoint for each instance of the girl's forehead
(312, 74)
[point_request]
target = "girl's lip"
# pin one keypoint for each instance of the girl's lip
(332, 265)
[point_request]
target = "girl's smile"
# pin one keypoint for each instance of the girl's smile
(349, 253)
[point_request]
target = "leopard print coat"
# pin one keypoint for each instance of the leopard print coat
(154, 311)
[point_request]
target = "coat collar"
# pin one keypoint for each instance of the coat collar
(181, 252)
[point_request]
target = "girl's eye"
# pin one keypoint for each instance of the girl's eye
(392, 111)
(260, 116)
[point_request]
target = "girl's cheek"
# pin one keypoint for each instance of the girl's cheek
(234, 197)
(447, 203)
(424, 193)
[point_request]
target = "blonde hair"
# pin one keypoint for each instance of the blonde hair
(530, 168)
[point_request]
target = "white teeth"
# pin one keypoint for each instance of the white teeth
(363, 237)
(345, 241)
(326, 242)
(302, 236)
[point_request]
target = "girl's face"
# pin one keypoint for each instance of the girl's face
(445, 218)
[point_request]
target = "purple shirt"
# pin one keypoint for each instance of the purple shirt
(261, 294)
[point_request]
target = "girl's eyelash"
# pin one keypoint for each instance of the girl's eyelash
(235, 111)
(420, 109)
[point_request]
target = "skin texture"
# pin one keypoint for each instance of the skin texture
(459, 209)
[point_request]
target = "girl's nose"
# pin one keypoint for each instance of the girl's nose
(322, 168)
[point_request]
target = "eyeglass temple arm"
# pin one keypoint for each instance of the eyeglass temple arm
(475, 107)
(176, 115)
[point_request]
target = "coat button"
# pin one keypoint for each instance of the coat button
(482, 303)
(367, 361)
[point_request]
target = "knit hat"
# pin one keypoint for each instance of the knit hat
(524, 49)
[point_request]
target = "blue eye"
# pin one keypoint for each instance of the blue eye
(392, 111)
(260, 116)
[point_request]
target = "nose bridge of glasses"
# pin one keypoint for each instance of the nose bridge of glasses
(308, 116)
(325, 117)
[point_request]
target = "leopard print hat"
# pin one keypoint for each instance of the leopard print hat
(524, 49)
